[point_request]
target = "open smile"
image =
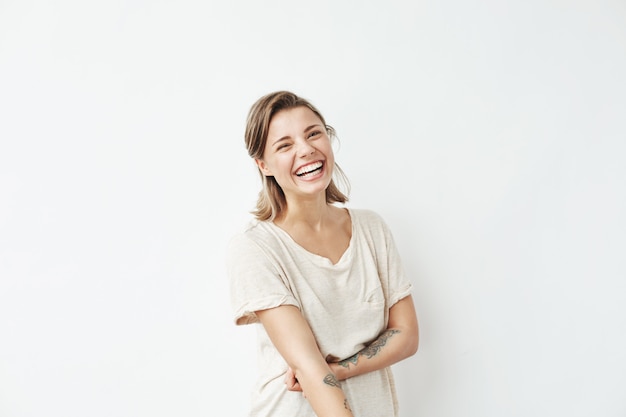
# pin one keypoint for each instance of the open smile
(310, 170)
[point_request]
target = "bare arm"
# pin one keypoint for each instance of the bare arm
(399, 341)
(292, 336)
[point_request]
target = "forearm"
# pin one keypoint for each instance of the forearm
(324, 393)
(399, 341)
(386, 350)
(294, 340)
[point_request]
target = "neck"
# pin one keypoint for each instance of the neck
(313, 213)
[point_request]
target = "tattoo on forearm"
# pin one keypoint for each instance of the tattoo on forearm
(373, 349)
(346, 405)
(351, 360)
(331, 380)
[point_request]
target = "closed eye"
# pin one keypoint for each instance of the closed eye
(314, 134)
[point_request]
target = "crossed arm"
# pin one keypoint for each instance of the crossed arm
(293, 338)
(399, 341)
(309, 371)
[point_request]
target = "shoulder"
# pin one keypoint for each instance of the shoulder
(371, 225)
(249, 233)
(255, 238)
(367, 217)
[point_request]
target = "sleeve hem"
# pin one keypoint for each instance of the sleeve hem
(246, 314)
(400, 295)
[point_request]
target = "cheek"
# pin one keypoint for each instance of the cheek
(330, 154)
(277, 165)
(328, 144)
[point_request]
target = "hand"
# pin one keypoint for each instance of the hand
(291, 382)
(337, 370)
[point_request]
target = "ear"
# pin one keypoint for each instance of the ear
(263, 167)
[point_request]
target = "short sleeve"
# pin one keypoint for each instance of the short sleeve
(393, 274)
(255, 279)
(399, 284)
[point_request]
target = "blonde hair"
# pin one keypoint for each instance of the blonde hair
(271, 201)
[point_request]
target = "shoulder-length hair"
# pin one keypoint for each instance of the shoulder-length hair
(271, 201)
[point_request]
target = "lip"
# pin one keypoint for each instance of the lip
(310, 177)
(319, 161)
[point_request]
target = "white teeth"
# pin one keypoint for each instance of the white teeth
(309, 168)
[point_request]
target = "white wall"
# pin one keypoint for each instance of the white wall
(490, 135)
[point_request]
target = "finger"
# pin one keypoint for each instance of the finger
(294, 387)
(289, 376)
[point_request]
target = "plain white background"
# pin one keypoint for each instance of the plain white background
(491, 135)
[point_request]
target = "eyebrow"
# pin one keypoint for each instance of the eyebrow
(305, 131)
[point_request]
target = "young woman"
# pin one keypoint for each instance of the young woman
(325, 282)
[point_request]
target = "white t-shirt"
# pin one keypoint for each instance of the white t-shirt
(346, 305)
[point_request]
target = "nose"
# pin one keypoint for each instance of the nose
(305, 149)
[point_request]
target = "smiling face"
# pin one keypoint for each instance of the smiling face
(298, 153)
